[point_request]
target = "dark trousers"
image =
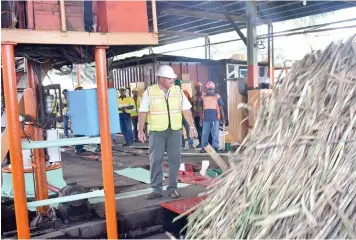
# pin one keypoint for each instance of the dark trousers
(126, 129)
(198, 127)
(135, 131)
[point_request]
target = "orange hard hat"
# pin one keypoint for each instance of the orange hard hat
(210, 85)
(198, 84)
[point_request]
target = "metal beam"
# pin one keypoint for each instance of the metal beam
(183, 34)
(270, 54)
(233, 24)
(252, 69)
(26, 36)
(202, 14)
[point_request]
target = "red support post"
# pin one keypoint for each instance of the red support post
(38, 154)
(107, 165)
(252, 61)
(13, 125)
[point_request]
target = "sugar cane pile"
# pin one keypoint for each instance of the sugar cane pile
(296, 177)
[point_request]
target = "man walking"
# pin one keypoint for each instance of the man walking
(134, 112)
(125, 106)
(163, 105)
(212, 113)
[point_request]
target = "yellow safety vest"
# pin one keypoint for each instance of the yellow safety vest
(125, 102)
(134, 111)
(161, 112)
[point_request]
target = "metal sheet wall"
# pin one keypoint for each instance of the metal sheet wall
(122, 77)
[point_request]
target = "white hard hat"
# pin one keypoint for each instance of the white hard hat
(166, 71)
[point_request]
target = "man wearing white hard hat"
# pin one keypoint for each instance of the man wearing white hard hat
(163, 105)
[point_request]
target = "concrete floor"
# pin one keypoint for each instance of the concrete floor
(137, 217)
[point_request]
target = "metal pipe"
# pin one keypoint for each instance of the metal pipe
(41, 97)
(75, 197)
(53, 188)
(106, 152)
(30, 15)
(63, 16)
(154, 16)
(270, 54)
(39, 169)
(60, 142)
(12, 122)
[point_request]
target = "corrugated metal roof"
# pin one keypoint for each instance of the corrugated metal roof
(274, 11)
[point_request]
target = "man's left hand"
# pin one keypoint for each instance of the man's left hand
(193, 133)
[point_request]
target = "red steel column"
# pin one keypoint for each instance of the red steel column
(252, 63)
(38, 154)
(107, 165)
(13, 125)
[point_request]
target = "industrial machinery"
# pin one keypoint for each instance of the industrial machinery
(56, 34)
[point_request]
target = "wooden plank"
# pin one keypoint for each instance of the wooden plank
(237, 128)
(26, 36)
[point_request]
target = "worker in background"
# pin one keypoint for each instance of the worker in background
(212, 114)
(197, 109)
(178, 82)
(79, 148)
(164, 104)
(126, 104)
(134, 112)
(65, 113)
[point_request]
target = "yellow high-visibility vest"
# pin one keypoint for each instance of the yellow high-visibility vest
(134, 111)
(163, 112)
(125, 102)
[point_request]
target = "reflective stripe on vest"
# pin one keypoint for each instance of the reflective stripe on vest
(164, 113)
(211, 102)
(124, 102)
(134, 111)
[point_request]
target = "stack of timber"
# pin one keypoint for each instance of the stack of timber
(296, 177)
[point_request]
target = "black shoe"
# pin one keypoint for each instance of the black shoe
(174, 194)
(202, 151)
(198, 146)
(153, 195)
(219, 150)
(79, 151)
(191, 147)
